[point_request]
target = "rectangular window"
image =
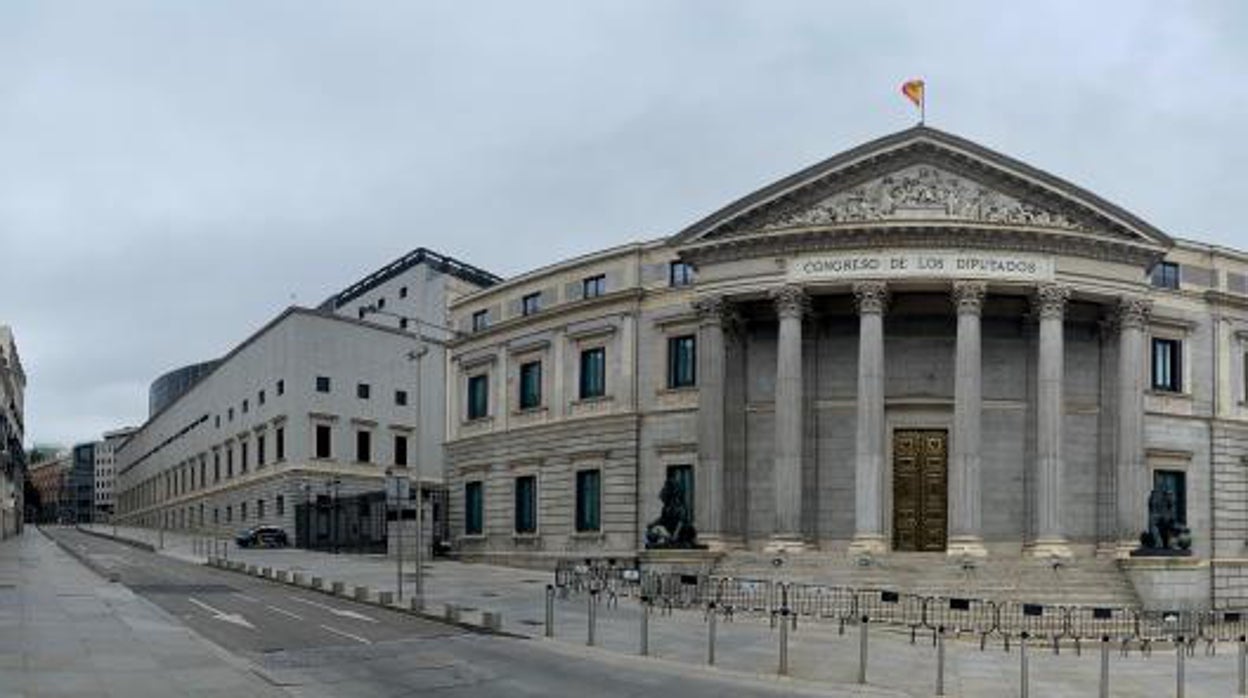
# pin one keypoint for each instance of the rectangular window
(402, 323)
(242, 511)
(594, 286)
(400, 397)
(1174, 484)
(531, 303)
(229, 461)
(402, 292)
(593, 373)
(363, 446)
(480, 320)
(216, 466)
(478, 396)
(1166, 275)
(280, 505)
(281, 387)
(245, 405)
(474, 505)
(323, 444)
(242, 457)
(588, 500)
(322, 384)
(679, 274)
(259, 508)
(260, 397)
(400, 450)
(259, 450)
(203, 472)
(231, 414)
(361, 391)
(1167, 365)
(216, 515)
(682, 476)
(279, 443)
(526, 504)
(530, 385)
(218, 421)
(682, 361)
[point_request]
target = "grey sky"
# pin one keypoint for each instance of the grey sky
(173, 173)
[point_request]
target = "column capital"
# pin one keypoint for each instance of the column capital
(871, 297)
(791, 301)
(1133, 312)
(968, 296)
(1050, 301)
(712, 310)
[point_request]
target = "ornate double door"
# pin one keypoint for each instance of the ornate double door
(920, 489)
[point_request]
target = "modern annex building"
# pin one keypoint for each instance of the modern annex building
(304, 416)
(916, 345)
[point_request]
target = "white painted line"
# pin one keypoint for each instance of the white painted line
(244, 597)
(217, 614)
(344, 633)
(341, 612)
(284, 612)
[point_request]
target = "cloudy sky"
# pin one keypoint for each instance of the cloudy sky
(172, 174)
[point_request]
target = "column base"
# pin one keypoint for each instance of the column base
(718, 542)
(786, 543)
(1052, 547)
(868, 544)
(966, 546)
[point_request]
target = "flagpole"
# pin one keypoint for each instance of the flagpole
(923, 107)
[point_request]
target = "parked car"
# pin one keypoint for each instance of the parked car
(262, 537)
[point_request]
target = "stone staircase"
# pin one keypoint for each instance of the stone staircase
(1083, 581)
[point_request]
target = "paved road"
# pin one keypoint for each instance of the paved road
(317, 645)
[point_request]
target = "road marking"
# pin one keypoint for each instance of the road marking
(244, 597)
(284, 612)
(217, 614)
(344, 633)
(336, 611)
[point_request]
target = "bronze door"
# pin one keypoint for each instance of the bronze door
(920, 491)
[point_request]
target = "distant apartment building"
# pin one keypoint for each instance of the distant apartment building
(106, 471)
(12, 428)
(297, 425)
(50, 480)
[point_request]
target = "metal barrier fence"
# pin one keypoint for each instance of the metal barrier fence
(998, 621)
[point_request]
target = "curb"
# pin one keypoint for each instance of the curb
(110, 575)
(490, 622)
(118, 539)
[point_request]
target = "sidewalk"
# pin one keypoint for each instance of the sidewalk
(817, 651)
(64, 631)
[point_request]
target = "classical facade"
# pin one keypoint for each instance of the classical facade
(12, 427)
(916, 345)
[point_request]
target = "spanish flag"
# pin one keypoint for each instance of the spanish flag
(913, 90)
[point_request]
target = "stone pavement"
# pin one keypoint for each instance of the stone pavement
(818, 652)
(64, 631)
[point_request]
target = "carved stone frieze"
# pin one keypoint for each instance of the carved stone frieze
(871, 296)
(791, 301)
(924, 192)
(1133, 312)
(1050, 301)
(969, 296)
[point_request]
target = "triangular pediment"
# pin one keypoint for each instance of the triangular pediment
(923, 177)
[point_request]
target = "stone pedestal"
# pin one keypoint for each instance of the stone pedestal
(1169, 583)
(678, 561)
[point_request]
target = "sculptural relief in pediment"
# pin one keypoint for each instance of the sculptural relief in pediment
(923, 192)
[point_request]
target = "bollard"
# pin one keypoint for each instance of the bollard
(296, 578)
(550, 610)
(1179, 670)
(593, 617)
(783, 669)
(940, 661)
(1022, 665)
(1104, 693)
(361, 593)
(644, 650)
(338, 588)
(492, 620)
(862, 649)
(283, 576)
(317, 583)
(385, 598)
(1243, 665)
(710, 634)
(417, 605)
(451, 613)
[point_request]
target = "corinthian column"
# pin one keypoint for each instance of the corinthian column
(872, 298)
(965, 535)
(709, 503)
(791, 305)
(1050, 304)
(1132, 512)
